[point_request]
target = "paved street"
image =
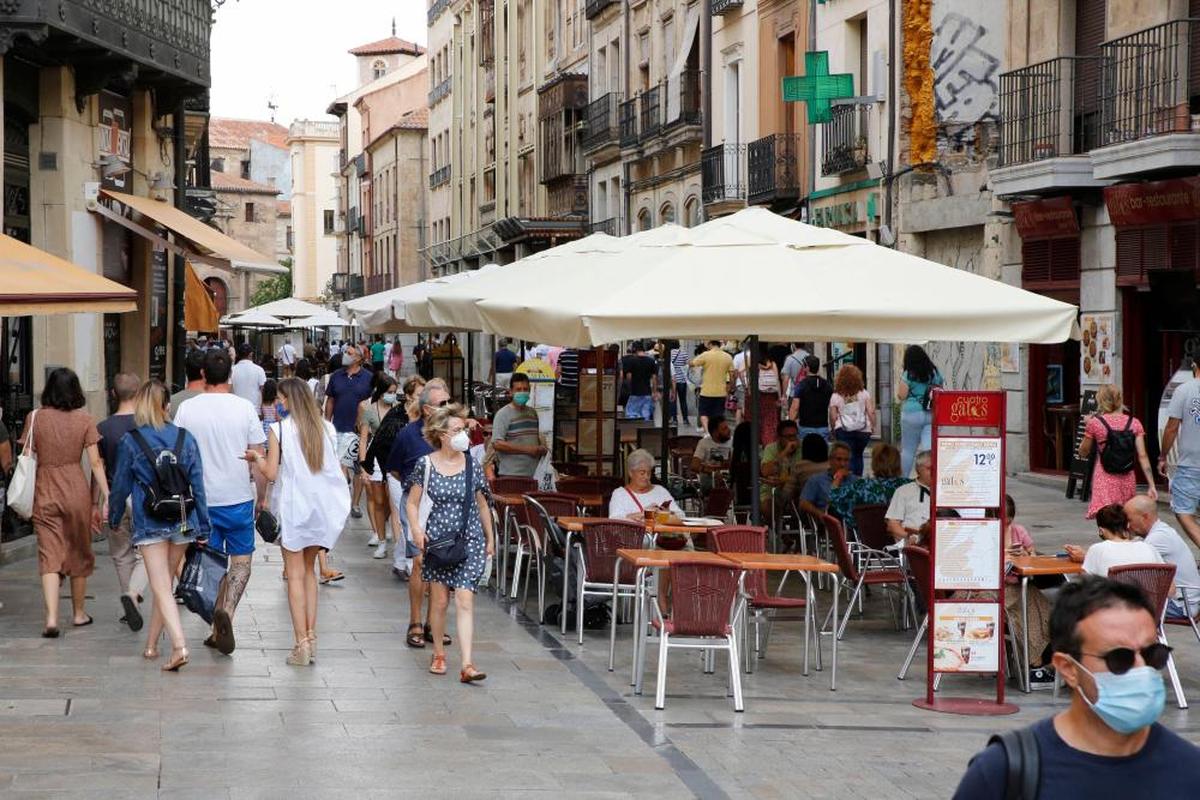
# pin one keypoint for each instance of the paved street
(85, 716)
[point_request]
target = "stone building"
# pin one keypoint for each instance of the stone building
(316, 166)
(397, 201)
(249, 212)
(441, 115)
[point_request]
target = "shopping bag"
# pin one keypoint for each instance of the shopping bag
(20, 487)
(203, 569)
(545, 475)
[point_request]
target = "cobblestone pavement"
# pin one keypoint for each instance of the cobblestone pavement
(85, 716)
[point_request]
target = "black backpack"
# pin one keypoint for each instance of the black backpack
(169, 495)
(1119, 453)
(1024, 763)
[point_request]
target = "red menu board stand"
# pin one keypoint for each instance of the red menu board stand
(966, 548)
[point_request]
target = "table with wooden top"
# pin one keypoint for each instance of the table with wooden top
(805, 565)
(1027, 567)
(571, 526)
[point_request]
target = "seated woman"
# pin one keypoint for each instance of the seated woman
(878, 489)
(1117, 548)
(638, 494)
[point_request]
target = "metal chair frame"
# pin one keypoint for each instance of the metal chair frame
(1142, 575)
(858, 563)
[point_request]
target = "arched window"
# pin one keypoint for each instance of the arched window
(379, 69)
(220, 294)
(667, 213)
(691, 212)
(645, 222)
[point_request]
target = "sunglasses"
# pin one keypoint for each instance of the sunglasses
(1121, 659)
(442, 404)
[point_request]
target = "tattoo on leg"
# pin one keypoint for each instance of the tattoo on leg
(236, 579)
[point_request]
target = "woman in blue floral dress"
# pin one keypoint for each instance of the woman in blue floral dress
(438, 508)
(878, 489)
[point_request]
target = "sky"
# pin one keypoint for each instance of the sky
(293, 52)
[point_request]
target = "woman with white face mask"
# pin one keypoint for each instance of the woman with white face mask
(451, 522)
(370, 415)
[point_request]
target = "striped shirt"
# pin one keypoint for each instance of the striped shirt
(516, 425)
(679, 365)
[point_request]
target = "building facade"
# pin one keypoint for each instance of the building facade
(314, 148)
(249, 212)
(397, 212)
(441, 116)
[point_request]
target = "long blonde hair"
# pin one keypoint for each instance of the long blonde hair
(150, 404)
(303, 410)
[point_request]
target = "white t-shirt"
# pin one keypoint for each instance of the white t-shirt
(1103, 556)
(247, 379)
(852, 416)
(623, 504)
(224, 426)
(739, 369)
(287, 354)
(709, 449)
(1185, 407)
(908, 507)
(1174, 550)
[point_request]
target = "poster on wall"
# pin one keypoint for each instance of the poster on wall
(968, 554)
(116, 140)
(968, 472)
(1010, 357)
(158, 311)
(1096, 347)
(966, 637)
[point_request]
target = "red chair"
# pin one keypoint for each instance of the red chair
(597, 563)
(921, 568)
(1155, 581)
(862, 566)
(703, 616)
(762, 604)
(717, 502)
(539, 533)
(870, 521)
(508, 484)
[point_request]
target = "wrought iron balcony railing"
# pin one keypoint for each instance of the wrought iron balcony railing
(723, 173)
(1148, 81)
(603, 121)
(1042, 113)
(439, 176)
(774, 168)
(629, 122)
(595, 7)
(611, 226)
(651, 112)
(441, 90)
(844, 139)
(688, 110)
(722, 7)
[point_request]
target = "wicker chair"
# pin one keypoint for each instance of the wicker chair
(1155, 582)
(508, 484)
(703, 616)
(597, 561)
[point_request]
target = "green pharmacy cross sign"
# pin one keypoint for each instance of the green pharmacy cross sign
(817, 87)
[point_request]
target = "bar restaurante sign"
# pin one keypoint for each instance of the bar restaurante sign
(1046, 219)
(1153, 203)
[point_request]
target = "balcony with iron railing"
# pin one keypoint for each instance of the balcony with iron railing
(723, 175)
(439, 176)
(1049, 120)
(722, 7)
(844, 140)
(773, 168)
(603, 121)
(441, 90)
(611, 226)
(686, 89)
(651, 112)
(594, 8)
(627, 112)
(1150, 89)
(436, 10)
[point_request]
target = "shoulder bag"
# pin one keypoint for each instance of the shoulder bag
(20, 488)
(450, 551)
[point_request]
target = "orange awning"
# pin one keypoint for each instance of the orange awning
(199, 311)
(209, 242)
(33, 281)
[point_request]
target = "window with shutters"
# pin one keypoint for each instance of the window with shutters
(1089, 34)
(1141, 251)
(1050, 263)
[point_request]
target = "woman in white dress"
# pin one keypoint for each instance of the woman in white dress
(310, 499)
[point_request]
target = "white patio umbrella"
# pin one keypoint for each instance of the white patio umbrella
(409, 306)
(327, 320)
(290, 308)
(752, 272)
(251, 318)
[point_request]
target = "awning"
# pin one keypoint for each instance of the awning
(199, 311)
(207, 245)
(33, 281)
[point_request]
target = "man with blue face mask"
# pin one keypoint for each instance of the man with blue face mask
(1108, 743)
(515, 435)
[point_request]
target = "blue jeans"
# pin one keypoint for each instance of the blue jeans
(915, 429)
(858, 441)
(639, 406)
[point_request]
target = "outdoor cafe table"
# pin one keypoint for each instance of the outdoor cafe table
(1028, 567)
(573, 525)
(505, 503)
(643, 560)
(804, 564)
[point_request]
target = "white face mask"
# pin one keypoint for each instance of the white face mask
(461, 442)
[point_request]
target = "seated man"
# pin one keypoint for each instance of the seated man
(814, 497)
(713, 452)
(1142, 515)
(909, 509)
(781, 465)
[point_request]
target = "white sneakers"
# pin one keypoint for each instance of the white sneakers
(381, 550)
(373, 541)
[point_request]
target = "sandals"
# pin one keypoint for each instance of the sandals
(415, 637)
(178, 659)
(50, 633)
(446, 640)
(88, 621)
(438, 665)
(331, 577)
(469, 674)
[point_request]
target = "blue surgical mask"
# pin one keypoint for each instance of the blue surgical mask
(1128, 702)
(389, 398)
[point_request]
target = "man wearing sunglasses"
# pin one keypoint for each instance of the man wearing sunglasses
(1108, 742)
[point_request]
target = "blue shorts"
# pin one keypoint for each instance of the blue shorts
(232, 528)
(1185, 490)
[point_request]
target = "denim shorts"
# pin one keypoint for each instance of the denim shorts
(173, 537)
(1185, 490)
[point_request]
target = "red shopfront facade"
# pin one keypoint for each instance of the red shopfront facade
(1157, 268)
(1050, 265)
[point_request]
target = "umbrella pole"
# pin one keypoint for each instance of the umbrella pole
(470, 393)
(665, 394)
(755, 425)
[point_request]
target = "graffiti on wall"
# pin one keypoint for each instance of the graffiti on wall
(965, 60)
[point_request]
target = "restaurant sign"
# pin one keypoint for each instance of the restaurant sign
(116, 139)
(1046, 219)
(962, 409)
(1153, 203)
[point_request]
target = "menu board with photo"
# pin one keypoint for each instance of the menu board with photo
(968, 554)
(968, 472)
(1096, 347)
(966, 637)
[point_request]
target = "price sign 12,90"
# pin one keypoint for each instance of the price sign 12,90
(968, 472)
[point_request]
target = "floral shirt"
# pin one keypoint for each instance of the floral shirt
(859, 493)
